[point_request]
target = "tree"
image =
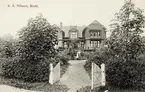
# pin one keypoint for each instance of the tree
(35, 50)
(7, 48)
(37, 40)
(125, 46)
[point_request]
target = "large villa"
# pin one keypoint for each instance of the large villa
(87, 37)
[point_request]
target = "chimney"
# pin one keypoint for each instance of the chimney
(61, 25)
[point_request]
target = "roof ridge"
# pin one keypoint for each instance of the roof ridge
(96, 22)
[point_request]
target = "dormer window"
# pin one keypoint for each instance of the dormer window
(73, 35)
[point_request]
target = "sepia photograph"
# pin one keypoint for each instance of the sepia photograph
(72, 46)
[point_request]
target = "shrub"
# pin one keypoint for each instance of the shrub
(63, 58)
(86, 55)
(35, 50)
(98, 57)
(124, 67)
(125, 45)
(125, 74)
(119, 73)
(65, 54)
(37, 40)
(96, 89)
(7, 49)
(27, 71)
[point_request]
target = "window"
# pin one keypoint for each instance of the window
(95, 34)
(65, 44)
(73, 34)
(95, 44)
(60, 35)
(82, 44)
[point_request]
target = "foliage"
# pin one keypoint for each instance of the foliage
(32, 72)
(37, 40)
(72, 50)
(126, 75)
(125, 46)
(36, 86)
(7, 48)
(64, 57)
(86, 55)
(59, 58)
(101, 89)
(98, 57)
(64, 60)
(96, 89)
(34, 51)
(8, 52)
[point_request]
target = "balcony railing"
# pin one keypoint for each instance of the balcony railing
(96, 37)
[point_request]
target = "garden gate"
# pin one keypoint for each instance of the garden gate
(54, 73)
(97, 75)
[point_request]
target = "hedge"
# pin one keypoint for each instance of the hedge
(24, 70)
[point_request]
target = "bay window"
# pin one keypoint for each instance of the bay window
(94, 44)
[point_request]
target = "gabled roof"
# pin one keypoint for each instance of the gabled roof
(57, 27)
(73, 29)
(66, 29)
(97, 24)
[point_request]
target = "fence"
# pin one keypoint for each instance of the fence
(54, 73)
(97, 75)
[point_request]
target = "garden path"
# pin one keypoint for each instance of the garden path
(76, 77)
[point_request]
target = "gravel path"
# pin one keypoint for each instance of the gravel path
(76, 77)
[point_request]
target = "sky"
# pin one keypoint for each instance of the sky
(69, 12)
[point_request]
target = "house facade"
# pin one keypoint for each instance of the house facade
(87, 37)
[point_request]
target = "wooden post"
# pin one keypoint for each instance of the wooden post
(92, 76)
(51, 74)
(103, 79)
